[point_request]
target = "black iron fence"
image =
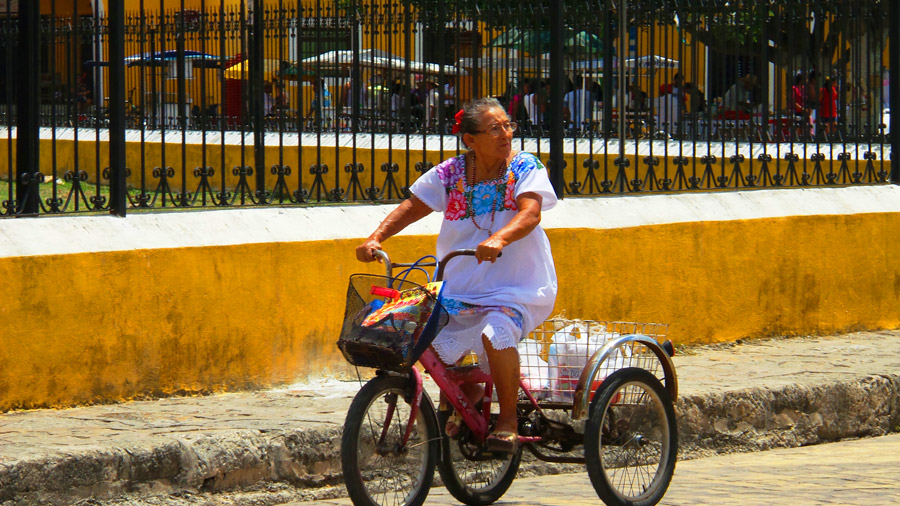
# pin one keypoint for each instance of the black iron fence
(230, 103)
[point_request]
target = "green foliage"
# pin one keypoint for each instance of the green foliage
(731, 26)
(496, 14)
(752, 26)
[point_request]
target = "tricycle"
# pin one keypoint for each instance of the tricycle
(594, 392)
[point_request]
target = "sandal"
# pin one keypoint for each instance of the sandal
(454, 422)
(502, 442)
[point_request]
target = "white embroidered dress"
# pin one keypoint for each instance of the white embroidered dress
(509, 298)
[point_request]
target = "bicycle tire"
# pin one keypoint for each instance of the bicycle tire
(379, 475)
(464, 477)
(631, 422)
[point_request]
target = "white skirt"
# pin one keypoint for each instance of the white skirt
(463, 332)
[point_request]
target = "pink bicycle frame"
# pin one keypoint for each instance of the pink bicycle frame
(449, 383)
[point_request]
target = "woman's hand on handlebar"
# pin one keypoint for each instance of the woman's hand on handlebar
(489, 249)
(365, 252)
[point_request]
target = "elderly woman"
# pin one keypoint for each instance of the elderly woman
(491, 198)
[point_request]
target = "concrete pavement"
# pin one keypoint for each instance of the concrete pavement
(284, 443)
(864, 472)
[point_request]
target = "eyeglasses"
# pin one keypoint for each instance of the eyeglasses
(497, 129)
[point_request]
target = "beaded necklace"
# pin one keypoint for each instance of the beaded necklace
(471, 193)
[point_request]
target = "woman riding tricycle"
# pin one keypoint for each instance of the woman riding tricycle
(477, 302)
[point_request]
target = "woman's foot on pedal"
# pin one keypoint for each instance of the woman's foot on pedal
(502, 442)
(504, 438)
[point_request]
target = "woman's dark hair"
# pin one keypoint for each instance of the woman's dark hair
(472, 113)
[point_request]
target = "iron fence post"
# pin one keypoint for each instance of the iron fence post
(257, 67)
(557, 94)
(894, 89)
(181, 64)
(622, 49)
(117, 179)
(608, 55)
(28, 133)
(355, 75)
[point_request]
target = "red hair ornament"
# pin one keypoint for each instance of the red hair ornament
(458, 119)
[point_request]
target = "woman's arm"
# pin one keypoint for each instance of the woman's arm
(409, 211)
(526, 219)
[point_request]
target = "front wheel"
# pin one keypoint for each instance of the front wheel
(472, 475)
(378, 468)
(631, 439)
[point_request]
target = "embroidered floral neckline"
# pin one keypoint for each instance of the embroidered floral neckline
(470, 185)
(468, 202)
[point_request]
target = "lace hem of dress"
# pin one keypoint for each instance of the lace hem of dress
(500, 329)
(497, 331)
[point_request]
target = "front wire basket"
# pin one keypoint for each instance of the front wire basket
(554, 355)
(394, 342)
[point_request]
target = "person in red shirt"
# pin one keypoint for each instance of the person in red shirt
(799, 103)
(828, 108)
(517, 110)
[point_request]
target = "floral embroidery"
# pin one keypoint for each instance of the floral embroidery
(509, 198)
(457, 307)
(450, 169)
(456, 206)
(452, 175)
(523, 163)
(484, 198)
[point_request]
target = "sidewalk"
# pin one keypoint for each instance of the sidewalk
(747, 396)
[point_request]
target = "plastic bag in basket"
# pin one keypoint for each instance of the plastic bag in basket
(572, 346)
(534, 369)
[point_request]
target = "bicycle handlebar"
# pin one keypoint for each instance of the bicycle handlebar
(439, 273)
(383, 256)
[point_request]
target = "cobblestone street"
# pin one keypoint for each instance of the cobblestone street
(859, 472)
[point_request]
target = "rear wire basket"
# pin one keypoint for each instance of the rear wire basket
(392, 345)
(554, 355)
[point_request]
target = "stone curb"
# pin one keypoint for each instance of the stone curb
(736, 421)
(758, 419)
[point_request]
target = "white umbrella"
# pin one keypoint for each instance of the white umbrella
(643, 62)
(506, 59)
(646, 62)
(376, 58)
(344, 57)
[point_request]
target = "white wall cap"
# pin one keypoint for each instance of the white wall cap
(161, 230)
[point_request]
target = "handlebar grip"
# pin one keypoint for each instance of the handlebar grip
(384, 292)
(386, 260)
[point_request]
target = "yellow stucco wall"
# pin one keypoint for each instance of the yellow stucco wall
(103, 326)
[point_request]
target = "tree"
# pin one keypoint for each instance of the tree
(780, 30)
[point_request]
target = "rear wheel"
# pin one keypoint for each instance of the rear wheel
(378, 469)
(471, 475)
(631, 439)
